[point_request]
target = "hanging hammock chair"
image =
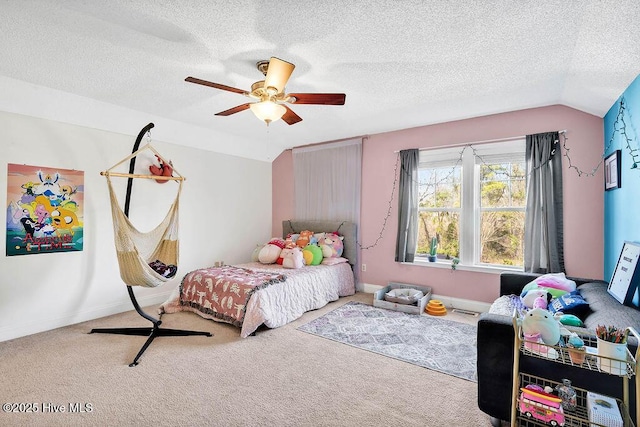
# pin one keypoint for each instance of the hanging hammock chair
(145, 259)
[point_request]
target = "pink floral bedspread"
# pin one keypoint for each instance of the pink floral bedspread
(223, 292)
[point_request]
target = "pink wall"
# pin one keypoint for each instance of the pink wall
(583, 196)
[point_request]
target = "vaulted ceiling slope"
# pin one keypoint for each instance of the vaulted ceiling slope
(401, 64)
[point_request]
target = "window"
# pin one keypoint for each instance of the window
(472, 199)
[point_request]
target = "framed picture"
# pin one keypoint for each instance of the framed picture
(624, 281)
(612, 170)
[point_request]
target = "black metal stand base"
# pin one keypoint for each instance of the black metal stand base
(156, 330)
(143, 332)
(152, 333)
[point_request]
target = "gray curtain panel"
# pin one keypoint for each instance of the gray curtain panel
(408, 206)
(543, 232)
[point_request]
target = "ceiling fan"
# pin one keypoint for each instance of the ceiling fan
(270, 96)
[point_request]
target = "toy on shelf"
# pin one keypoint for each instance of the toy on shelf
(543, 400)
(541, 330)
(577, 350)
(536, 403)
(436, 308)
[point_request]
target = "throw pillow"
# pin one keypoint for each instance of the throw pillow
(334, 261)
(571, 303)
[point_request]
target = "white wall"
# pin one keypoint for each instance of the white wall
(225, 210)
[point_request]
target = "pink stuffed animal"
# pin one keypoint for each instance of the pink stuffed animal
(534, 298)
(331, 245)
(540, 302)
(292, 257)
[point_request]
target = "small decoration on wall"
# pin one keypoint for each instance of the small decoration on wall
(626, 134)
(44, 210)
(612, 176)
(630, 141)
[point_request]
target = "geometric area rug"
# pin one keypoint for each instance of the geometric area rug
(431, 342)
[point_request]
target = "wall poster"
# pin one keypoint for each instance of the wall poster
(44, 210)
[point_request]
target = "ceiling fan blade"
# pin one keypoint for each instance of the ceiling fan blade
(318, 98)
(290, 117)
(215, 85)
(278, 73)
(233, 110)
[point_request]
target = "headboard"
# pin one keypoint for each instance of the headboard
(344, 228)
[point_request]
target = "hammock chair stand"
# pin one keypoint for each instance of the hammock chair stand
(155, 330)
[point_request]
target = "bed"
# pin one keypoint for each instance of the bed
(252, 294)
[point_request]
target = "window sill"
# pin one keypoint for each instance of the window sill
(460, 267)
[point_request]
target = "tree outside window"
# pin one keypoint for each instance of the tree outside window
(439, 210)
(472, 199)
(503, 197)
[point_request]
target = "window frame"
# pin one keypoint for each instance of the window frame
(470, 210)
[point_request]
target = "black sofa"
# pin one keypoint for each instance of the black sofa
(495, 348)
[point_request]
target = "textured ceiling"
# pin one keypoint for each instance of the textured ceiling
(401, 63)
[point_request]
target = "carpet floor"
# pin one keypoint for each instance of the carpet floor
(279, 377)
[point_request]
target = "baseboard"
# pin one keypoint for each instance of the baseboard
(449, 302)
(463, 304)
(42, 325)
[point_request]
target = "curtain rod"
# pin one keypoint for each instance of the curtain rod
(335, 141)
(486, 141)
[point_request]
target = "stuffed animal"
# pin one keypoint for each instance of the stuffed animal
(556, 284)
(292, 258)
(289, 243)
(255, 256)
(162, 170)
(280, 259)
(331, 245)
(307, 256)
(530, 298)
(540, 321)
(304, 239)
(271, 251)
(316, 254)
(540, 302)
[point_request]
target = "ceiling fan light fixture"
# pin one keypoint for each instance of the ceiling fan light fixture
(268, 111)
(269, 94)
(278, 73)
